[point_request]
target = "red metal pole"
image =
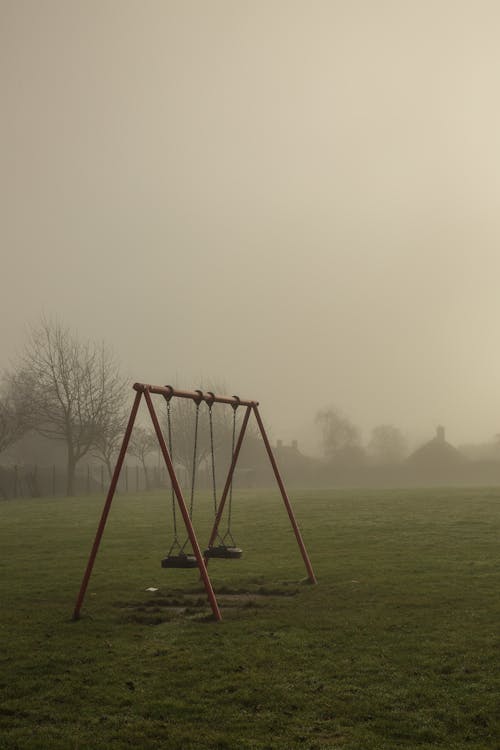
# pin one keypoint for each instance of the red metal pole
(236, 454)
(169, 392)
(183, 508)
(305, 557)
(107, 506)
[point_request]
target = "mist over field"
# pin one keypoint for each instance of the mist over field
(299, 200)
(296, 202)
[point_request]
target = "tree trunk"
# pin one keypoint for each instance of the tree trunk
(146, 475)
(109, 468)
(70, 474)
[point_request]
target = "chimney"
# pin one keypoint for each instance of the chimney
(440, 434)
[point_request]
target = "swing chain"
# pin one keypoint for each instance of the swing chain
(169, 426)
(195, 454)
(212, 450)
(230, 503)
(175, 541)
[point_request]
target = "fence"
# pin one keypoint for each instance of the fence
(50, 481)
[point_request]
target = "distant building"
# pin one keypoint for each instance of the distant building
(436, 455)
(295, 466)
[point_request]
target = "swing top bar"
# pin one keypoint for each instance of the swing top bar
(197, 396)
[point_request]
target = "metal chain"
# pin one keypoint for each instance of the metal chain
(230, 504)
(195, 452)
(169, 423)
(212, 453)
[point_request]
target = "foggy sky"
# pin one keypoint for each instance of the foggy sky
(297, 198)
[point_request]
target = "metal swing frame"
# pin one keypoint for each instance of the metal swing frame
(145, 391)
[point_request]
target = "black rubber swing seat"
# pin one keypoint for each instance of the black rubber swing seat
(179, 561)
(224, 552)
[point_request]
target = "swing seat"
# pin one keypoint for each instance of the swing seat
(179, 561)
(223, 552)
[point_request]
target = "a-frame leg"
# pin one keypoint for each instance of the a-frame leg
(296, 530)
(107, 506)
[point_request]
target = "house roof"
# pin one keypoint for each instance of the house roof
(436, 452)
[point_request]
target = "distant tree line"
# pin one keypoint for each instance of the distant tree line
(71, 392)
(342, 446)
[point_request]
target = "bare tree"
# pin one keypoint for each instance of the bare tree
(341, 439)
(15, 413)
(74, 388)
(109, 438)
(387, 444)
(142, 443)
(183, 426)
(337, 431)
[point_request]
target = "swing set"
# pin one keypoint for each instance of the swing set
(220, 545)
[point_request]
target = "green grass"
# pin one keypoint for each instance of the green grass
(397, 647)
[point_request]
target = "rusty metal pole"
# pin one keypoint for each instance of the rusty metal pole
(168, 391)
(296, 530)
(107, 506)
(183, 508)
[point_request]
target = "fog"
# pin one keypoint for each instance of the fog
(298, 199)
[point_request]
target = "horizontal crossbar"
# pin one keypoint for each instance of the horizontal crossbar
(169, 392)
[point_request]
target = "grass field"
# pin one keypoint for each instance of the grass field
(398, 646)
